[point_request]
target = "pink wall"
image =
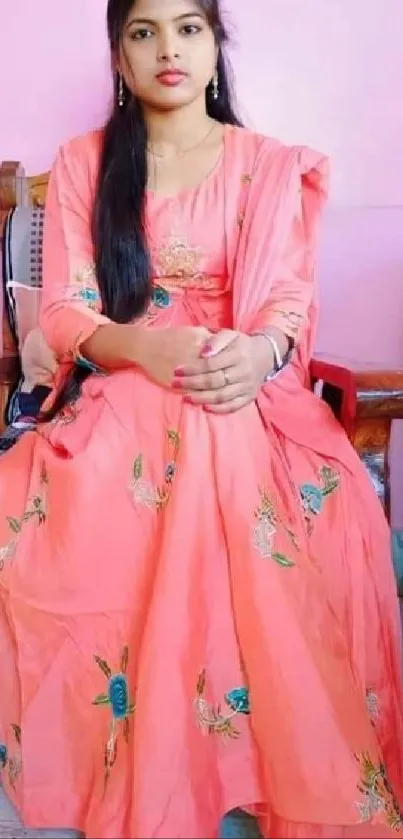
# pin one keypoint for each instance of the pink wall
(331, 76)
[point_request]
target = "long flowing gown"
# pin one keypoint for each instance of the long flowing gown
(197, 612)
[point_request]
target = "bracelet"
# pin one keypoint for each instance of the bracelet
(88, 365)
(279, 362)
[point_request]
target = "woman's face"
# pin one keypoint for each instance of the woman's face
(168, 53)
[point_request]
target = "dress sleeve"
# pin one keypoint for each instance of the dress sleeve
(293, 288)
(71, 308)
(274, 281)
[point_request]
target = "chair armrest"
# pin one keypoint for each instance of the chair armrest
(365, 390)
(9, 372)
(9, 369)
(365, 397)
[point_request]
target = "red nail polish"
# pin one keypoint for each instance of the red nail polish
(177, 385)
(179, 371)
(207, 350)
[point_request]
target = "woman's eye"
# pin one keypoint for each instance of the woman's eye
(190, 29)
(141, 34)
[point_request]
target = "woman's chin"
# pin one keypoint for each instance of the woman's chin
(170, 98)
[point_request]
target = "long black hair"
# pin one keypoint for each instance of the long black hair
(122, 259)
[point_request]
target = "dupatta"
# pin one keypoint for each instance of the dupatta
(273, 269)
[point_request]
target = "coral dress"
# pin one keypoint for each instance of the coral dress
(197, 612)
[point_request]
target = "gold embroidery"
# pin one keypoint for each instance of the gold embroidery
(143, 491)
(210, 717)
(36, 508)
(246, 179)
(178, 265)
(12, 763)
(372, 703)
(86, 276)
(84, 287)
(67, 415)
(265, 530)
(121, 707)
(294, 319)
(378, 796)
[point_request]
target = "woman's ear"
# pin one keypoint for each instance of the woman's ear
(116, 63)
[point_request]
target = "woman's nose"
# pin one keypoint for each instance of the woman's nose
(168, 48)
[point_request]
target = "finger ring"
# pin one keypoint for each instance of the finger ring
(226, 378)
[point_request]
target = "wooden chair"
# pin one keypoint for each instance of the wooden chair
(15, 190)
(365, 397)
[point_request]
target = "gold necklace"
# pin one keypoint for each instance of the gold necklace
(183, 151)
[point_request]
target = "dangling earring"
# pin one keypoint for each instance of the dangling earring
(215, 85)
(121, 92)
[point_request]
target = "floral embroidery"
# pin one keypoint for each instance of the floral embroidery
(7, 552)
(67, 415)
(143, 491)
(88, 296)
(118, 698)
(177, 259)
(12, 763)
(161, 297)
(378, 794)
(313, 496)
(178, 265)
(266, 529)
(246, 179)
(3, 756)
(210, 717)
(36, 509)
(294, 320)
(87, 290)
(372, 702)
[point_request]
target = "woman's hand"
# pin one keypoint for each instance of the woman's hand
(229, 373)
(160, 351)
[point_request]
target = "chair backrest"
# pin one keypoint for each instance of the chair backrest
(22, 202)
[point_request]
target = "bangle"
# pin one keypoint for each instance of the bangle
(279, 362)
(81, 361)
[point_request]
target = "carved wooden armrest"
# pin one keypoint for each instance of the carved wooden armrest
(9, 371)
(365, 397)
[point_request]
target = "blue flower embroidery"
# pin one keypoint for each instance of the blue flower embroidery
(3, 756)
(118, 699)
(90, 296)
(118, 695)
(212, 718)
(238, 700)
(10, 759)
(313, 496)
(161, 297)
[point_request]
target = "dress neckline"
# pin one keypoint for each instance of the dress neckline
(155, 196)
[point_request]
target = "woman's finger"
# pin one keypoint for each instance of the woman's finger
(209, 381)
(229, 407)
(218, 342)
(229, 357)
(215, 397)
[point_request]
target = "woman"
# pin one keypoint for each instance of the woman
(191, 547)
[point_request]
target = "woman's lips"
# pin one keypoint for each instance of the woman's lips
(171, 78)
